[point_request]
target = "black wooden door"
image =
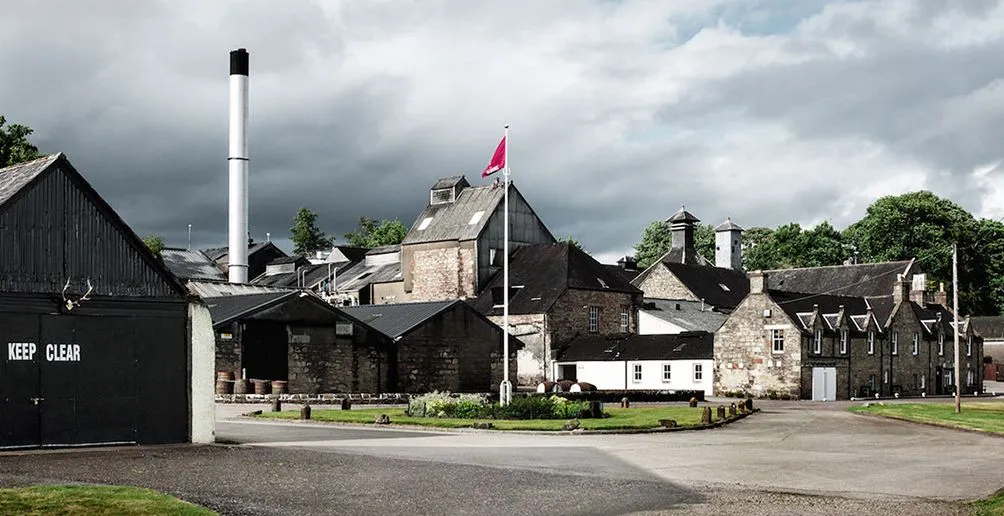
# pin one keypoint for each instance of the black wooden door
(19, 381)
(265, 350)
(87, 380)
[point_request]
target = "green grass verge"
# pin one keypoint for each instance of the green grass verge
(987, 416)
(993, 506)
(71, 500)
(620, 419)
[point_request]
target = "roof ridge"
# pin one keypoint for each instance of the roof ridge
(834, 266)
(52, 157)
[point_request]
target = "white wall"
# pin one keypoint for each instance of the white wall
(611, 375)
(649, 324)
(203, 380)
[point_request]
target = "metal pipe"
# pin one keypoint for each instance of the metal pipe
(237, 159)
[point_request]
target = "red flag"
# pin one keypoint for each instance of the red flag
(498, 160)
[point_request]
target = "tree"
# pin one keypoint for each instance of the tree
(704, 241)
(572, 241)
(155, 243)
(759, 252)
(307, 238)
(370, 234)
(14, 145)
(655, 241)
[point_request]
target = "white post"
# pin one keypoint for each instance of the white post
(505, 389)
(237, 254)
(955, 308)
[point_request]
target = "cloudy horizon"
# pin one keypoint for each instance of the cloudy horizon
(767, 112)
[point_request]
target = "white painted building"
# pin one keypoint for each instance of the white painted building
(672, 362)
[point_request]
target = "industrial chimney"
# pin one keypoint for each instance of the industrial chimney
(238, 163)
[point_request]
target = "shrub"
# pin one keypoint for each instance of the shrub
(529, 407)
(565, 409)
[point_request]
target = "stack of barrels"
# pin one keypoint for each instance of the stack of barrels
(224, 382)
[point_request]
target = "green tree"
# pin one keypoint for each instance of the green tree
(371, 234)
(155, 243)
(571, 240)
(14, 145)
(759, 252)
(307, 238)
(655, 241)
(704, 241)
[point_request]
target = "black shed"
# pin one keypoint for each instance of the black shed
(96, 329)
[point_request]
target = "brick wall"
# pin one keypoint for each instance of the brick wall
(744, 358)
(439, 271)
(663, 284)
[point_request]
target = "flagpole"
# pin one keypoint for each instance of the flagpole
(505, 389)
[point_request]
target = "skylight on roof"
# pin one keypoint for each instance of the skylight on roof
(727, 289)
(476, 217)
(425, 223)
(602, 283)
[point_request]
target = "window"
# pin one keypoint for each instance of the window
(777, 338)
(916, 343)
(923, 381)
(594, 321)
(969, 347)
(941, 344)
(871, 343)
(970, 377)
(885, 376)
(916, 381)
(667, 372)
(817, 343)
(442, 196)
(871, 382)
(637, 372)
(894, 343)
(698, 372)
(625, 319)
(844, 337)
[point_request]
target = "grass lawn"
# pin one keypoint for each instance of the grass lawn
(976, 415)
(993, 506)
(620, 419)
(93, 500)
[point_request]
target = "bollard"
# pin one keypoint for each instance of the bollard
(721, 412)
(346, 404)
(732, 409)
(305, 412)
(625, 403)
(749, 404)
(693, 402)
(276, 405)
(706, 416)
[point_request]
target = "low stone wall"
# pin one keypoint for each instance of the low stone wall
(318, 399)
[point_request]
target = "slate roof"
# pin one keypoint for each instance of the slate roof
(796, 305)
(396, 320)
(220, 253)
(288, 305)
(728, 225)
(720, 287)
(189, 264)
(866, 279)
(352, 253)
(685, 314)
(16, 177)
(225, 309)
(206, 289)
(675, 255)
(545, 271)
(449, 182)
(627, 274)
(315, 273)
(360, 275)
(929, 313)
(451, 221)
(989, 327)
(682, 215)
(697, 345)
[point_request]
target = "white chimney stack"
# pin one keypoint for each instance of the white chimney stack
(237, 256)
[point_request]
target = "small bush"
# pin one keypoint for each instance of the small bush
(565, 409)
(529, 407)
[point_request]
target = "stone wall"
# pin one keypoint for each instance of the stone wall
(531, 330)
(228, 350)
(319, 361)
(439, 271)
(744, 357)
(663, 284)
(829, 356)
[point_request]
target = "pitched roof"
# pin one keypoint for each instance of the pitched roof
(865, 279)
(282, 306)
(395, 320)
(225, 309)
(627, 274)
(351, 253)
(458, 220)
(543, 272)
(360, 275)
(676, 255)
(221, 253)
(682, 215)
(16, 177)
(189, 264)
(930, 313)
(310, 275)
(989, 327)
(796, 305)
(720, 287)
(698, 345)
(728, 225)
(206, 289)
(690, 315)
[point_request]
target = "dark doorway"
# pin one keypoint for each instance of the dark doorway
(265, 350)
(939, 380)
(19, 382)
(566, 372)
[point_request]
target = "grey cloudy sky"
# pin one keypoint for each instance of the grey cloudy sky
(621, 111)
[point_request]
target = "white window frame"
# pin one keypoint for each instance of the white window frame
(776, 339)
(637, 371)
(625, 320)
(969, 346)
(923, 381)
(941, 344)
(894, 343)
(871, 342)
(885, 377)
(916, 344)
(817, 342)
(698, 373)
(667, 373)
(844, 338)
(594, 319)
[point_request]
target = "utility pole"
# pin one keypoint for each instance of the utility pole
(955, 308)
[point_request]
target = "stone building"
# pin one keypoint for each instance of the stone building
(824, 346)
(456, 244)
(440, 345)
(558, 292)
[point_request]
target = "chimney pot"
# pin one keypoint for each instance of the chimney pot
(758, 282)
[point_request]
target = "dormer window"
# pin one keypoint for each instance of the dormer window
(443, 196)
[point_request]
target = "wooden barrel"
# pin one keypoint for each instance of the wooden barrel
(262, 386)
(240, 386)
(224, 375)
(582, 387)
(278, 387)
(545, 386)
(562, 385)
(224, 386)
